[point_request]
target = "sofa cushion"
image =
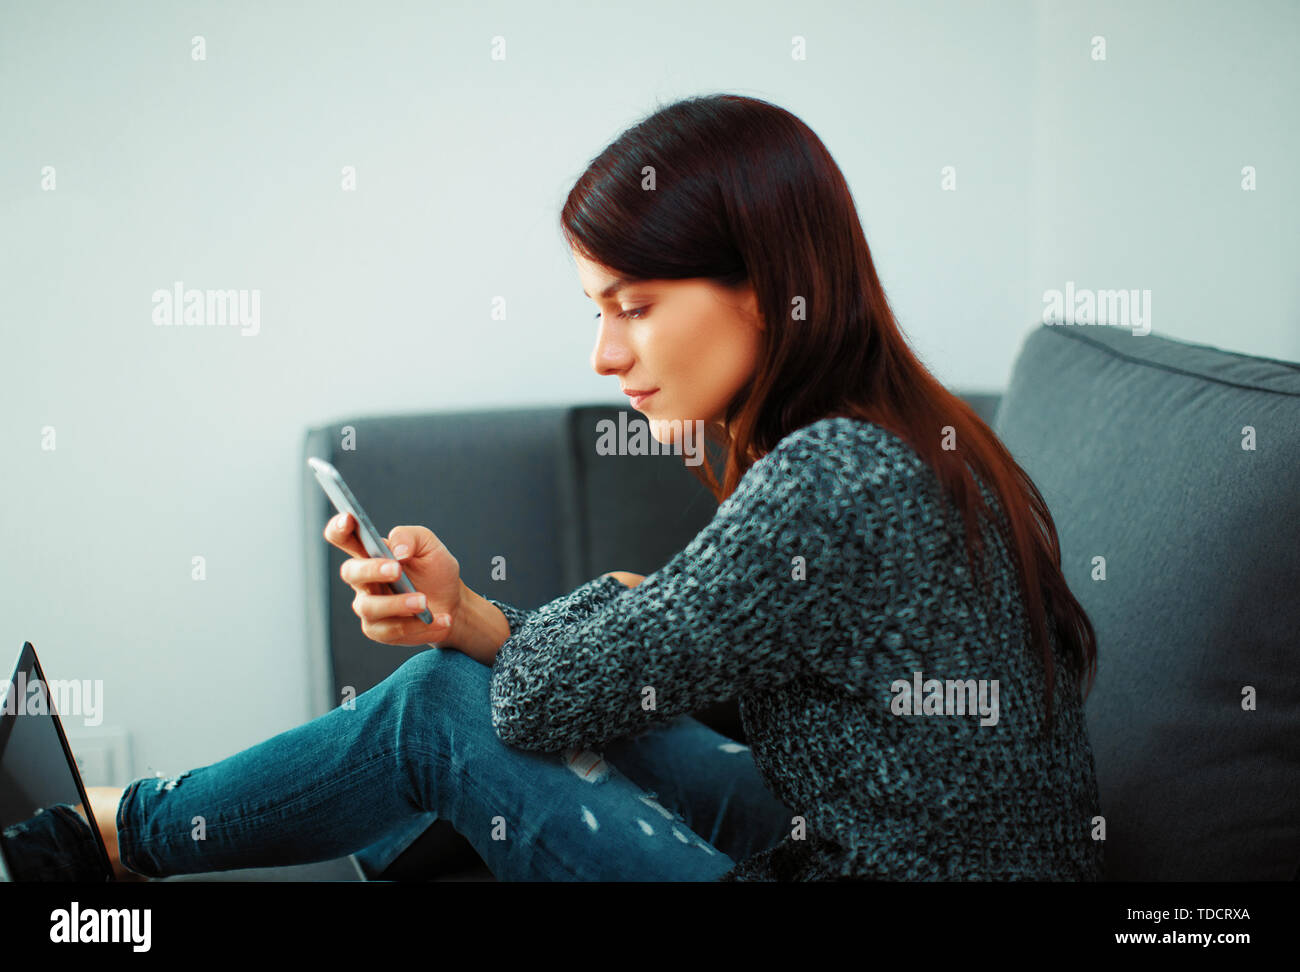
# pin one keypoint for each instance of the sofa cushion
(1177, 465)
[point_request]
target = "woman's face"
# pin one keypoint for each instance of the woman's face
(692, 343)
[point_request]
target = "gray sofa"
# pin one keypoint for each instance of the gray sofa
(1179, 542)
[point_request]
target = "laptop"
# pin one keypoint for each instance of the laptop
(42, 836)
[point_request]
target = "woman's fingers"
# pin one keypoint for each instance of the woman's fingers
(405, 633)
(376, 607)
(386, 618)
(370, 570)
(341, 532)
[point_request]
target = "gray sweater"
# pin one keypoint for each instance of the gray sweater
(831, 657)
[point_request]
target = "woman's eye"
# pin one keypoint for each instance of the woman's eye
(635, 313)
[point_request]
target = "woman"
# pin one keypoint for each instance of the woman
(878, 571)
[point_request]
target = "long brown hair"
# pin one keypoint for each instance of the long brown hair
(735, 189)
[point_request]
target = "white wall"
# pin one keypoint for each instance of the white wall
(173, 442)
(1136, 181)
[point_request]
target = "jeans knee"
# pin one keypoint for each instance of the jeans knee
(430, 702)
(422, 677)
(429, 688)
(428, 662)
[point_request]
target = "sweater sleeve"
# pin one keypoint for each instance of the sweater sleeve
(515, 617)
(571, 607)
(727, 615)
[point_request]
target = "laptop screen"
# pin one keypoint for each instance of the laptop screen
(41, 838)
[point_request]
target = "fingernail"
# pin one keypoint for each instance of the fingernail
(340, 520)
(443, 619)
(401, 550)
(390, 569)
(416, 602)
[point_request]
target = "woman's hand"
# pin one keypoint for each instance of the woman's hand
(626, 578)
(428, 565)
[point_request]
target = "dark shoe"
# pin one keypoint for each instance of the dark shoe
(55, 845)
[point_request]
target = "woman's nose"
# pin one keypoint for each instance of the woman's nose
(609, 355)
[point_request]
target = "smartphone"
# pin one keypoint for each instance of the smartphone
(337, 490)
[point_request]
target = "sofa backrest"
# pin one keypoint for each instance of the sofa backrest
(1172, 471)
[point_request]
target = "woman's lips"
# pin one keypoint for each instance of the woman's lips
(638, 398)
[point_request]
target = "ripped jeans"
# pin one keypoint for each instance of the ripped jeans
(679, 802)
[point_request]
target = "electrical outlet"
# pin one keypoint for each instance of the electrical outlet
(102, 755)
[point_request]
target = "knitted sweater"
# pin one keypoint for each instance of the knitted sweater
(816, 651)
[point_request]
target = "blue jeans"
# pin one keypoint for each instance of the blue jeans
(679, 802)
